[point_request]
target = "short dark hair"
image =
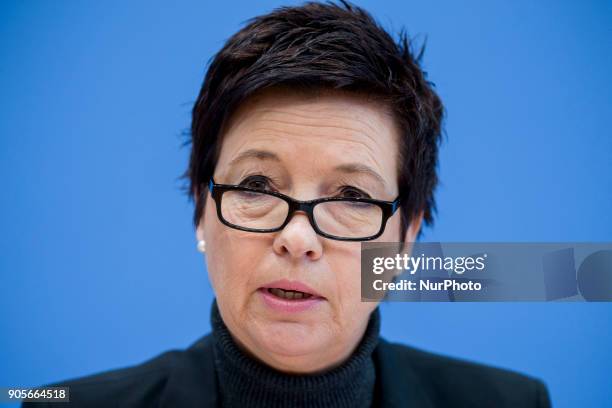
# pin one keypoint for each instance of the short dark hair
(336, 46)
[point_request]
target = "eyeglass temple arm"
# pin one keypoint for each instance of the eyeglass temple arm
(395, 205)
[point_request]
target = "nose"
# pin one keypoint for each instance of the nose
(298, 239)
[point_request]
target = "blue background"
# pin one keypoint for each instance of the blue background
(98, 262)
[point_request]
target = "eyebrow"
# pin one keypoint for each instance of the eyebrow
(352, 168)
(349, 168)
(255, 154)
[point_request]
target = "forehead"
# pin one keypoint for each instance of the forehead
(311, 132)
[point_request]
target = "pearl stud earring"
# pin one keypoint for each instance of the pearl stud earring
(202, 246)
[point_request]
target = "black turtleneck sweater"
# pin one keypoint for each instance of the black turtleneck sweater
(246, 382)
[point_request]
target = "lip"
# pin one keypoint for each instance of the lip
(292, 285)
(289, 306)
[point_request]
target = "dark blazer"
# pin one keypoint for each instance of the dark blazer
(408, 377)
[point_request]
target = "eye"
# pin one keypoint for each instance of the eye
(257, 182)
(353, 192)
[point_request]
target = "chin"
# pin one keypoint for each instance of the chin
(291, 339)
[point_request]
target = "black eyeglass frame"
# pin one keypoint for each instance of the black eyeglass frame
(388, 209)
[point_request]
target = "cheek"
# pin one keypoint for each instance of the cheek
(231, 263)
(226, 257)
(351, 314)
(346, 274)
(233, 259)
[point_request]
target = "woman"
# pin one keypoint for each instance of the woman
(314, 131)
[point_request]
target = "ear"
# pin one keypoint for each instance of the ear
(199, 232)
(200, 228)
(413, 229)
(411, 232)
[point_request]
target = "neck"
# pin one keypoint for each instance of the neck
(244, 380)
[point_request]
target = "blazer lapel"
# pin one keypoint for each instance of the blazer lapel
(400, 385)
(193, 382)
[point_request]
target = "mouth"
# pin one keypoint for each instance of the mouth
(290, 291)
(288, 294)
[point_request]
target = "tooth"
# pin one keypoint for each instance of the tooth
(289, 294)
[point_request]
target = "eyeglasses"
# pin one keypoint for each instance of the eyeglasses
(339, 218)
